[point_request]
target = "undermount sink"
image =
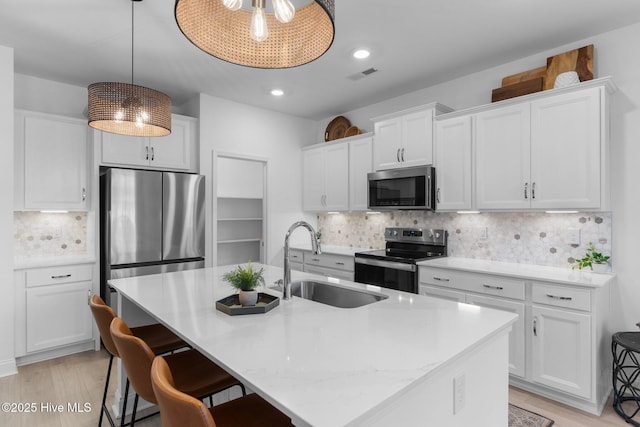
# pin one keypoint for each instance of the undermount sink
(334, 295)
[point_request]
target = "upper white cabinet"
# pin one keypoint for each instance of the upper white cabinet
(326, 177)
(405, 138)
(453, 164)
(51, 162)
(360, 164)
(174, 151)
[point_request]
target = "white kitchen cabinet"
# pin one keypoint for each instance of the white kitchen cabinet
(52, 309)
(51, 158)
(326, 178)
(433, 291)
(561, 350)
(405, 139)
(566, 150)
(453, 164)
(337, 266)
(503, 146)
(360, 164)
(174, 151)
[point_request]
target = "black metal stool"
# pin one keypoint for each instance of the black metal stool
(625, 347)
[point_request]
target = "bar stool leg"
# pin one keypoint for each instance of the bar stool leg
(124, 405)
(624, 362)
(103, 408)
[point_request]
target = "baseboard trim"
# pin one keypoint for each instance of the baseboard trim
(52, 354)
(8, 367)
(591, 407)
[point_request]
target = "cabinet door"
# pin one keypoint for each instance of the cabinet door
(313, 179)
(417, 139)
(516, 336)
(360, 164)
(172, 151)
(453, 163)
(336, 177)
(503, 142)
(125, 150)
(55, 175)
(561, 350)
(58, 315)
(386, 144)
(565, 151)
(432, 291)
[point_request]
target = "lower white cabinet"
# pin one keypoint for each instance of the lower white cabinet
(325, 264)
(560, 345)
(52, 308)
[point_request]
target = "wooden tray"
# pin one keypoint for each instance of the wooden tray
(578, 60)
(231, 305)
(517, 89)
(336, 128)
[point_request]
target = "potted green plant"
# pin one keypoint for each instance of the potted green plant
(245, 280)
(594, 260)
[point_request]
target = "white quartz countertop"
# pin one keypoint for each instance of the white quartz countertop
(330, 249)
(24, 262)
(321, 365)
(525, 271)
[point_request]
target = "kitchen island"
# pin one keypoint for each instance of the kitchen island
(393, 362)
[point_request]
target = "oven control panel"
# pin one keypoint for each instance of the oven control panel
(418, 235)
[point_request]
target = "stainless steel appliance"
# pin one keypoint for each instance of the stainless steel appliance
(395, 266)
(406, 188)
(150, 222)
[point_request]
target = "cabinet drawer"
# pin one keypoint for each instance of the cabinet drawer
(561, 296)
(329, 272)
(441, 277)
(498, 286)
(58, 275)
(433, 291)
(296, 256)
(340, 262)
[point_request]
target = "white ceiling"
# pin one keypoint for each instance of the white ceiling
(414, 44)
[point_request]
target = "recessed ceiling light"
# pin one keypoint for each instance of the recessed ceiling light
(361, 54)
(277, 92)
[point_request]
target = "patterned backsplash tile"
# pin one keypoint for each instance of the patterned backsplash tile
(49, 234)
(528, 238)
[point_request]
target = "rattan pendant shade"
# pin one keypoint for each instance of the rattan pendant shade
(224, 33)
(129, 109)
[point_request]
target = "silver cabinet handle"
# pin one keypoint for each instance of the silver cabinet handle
(153, 153)
(146, 149)
(339, 263)
(88, 296)
(533, 190)
(535, 326)
(402, 154)
(84, 194)
(498, 288)
(438, 195)
(440, 279)
(560, 297)
(526, 189)
(315, 259)
(62, 276)
(398, 155)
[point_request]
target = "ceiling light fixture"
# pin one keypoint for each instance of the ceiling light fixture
(277, 92)
(361, 54)
(282, 39)
(129, 109)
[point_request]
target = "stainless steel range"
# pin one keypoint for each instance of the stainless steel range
(395, 266)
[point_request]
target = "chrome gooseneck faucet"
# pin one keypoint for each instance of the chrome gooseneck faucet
(286, 286)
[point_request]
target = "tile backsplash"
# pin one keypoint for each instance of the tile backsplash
(49, 234)
(528, 238)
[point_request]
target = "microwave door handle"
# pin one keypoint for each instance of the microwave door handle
(428, 198)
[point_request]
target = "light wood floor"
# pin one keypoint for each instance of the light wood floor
(79, 378)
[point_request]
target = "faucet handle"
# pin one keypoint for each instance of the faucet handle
(280, 284)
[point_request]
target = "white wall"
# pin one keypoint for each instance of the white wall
(7, 298)
(230, 127)
(612, 58)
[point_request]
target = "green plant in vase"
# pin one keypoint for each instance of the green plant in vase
(593, 260)
(245, 280)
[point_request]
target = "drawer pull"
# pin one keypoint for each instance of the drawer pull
(315, 259)
(498, 288)
(62, 276)
(339, 263)
(440, 279)
(560, 298)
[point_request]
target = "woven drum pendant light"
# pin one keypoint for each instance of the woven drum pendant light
(225, 33)
(129, 109)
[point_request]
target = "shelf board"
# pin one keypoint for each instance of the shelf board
(239, 219)
(239, 241)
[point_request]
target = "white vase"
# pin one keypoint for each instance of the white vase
(600, 268)
(248, 298)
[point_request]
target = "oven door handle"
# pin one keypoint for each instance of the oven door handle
(386, 264)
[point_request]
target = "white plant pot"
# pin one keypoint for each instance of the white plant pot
(600, 268)
(248, 298)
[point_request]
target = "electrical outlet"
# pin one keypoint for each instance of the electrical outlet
(459, 393)
(573, 235)
(484, 233)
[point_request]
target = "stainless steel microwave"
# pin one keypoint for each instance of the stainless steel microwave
(406, 188)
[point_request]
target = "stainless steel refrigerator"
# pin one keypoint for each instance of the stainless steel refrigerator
(150, 222)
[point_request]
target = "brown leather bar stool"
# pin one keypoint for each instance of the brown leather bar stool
(195, 375)
(178, 409)
(159, 338)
